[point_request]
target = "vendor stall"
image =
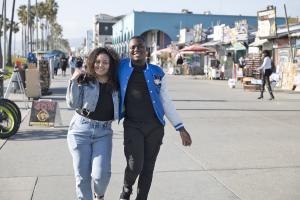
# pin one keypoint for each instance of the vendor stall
(194, 59)
(238, 50)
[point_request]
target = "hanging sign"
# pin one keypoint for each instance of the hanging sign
(267, 24)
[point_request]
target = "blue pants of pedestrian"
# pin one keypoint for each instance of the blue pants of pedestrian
(90, 144)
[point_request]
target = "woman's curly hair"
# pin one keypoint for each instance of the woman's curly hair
(114, 61)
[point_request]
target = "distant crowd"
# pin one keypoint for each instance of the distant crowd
(62, 62)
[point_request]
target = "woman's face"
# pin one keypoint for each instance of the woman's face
(101, 64)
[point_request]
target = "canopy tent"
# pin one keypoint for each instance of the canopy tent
(39, 52)
(53, 53)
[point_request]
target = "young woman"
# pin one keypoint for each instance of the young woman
(93, 93)
(266, 69)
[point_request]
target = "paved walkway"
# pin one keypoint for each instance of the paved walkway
(243, 149)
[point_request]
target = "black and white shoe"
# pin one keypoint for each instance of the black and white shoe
(125, 194)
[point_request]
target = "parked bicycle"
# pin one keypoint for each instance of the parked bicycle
(10, 115)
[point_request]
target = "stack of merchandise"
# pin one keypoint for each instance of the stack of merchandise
(44, 76)
(252, 62)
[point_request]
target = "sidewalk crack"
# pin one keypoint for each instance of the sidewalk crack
(32, 195)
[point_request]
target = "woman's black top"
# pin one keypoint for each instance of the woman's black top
(105, 108)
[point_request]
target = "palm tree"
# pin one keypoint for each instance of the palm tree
(56, 34)
(42, 26)
(1, 33)
(1, 24)
(51, 12)
(65, 46)
(52, 8)
(16, 29)
(30, 26)
(22, 14)
(9, 60)
(39, 11)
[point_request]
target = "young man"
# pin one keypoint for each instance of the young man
(144, 102)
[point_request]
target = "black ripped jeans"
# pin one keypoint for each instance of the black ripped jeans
(142, 141)
(266, 79)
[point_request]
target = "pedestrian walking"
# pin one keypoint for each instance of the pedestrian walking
(266, 70)
(72, 63)
(144, 102)
(56, 64)
(93, 93)
(228, 66)
(242, 62)
(179, 63)
(63, 64)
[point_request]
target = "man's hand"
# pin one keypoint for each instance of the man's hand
(185, 137)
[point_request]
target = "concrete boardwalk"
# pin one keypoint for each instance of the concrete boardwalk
(243, 149)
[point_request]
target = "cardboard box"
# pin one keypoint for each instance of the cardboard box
(33, 86)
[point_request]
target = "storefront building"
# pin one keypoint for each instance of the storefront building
(160, 29)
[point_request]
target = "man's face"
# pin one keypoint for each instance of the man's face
(137, 50)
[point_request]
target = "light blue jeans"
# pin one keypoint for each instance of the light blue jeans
(90, 144)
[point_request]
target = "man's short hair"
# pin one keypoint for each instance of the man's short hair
(138, 37)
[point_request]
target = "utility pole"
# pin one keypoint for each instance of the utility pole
(289, 35)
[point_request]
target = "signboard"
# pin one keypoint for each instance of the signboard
(227, 33)
(218, 33)
(198, 33)
(105, 28)
(43, 113)
(267, 24)
(241, 28)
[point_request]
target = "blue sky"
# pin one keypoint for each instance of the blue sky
(77, 16)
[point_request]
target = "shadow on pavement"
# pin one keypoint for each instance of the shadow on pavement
(59, 91)
(40, 135)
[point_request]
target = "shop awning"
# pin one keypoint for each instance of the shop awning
(258, 42)
(211, 43)
(295, 34)
(236, 47)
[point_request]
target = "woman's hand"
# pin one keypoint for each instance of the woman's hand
(76, 74)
